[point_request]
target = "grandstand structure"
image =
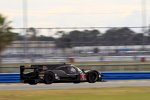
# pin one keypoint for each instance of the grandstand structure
(48, 48)
(29, 48)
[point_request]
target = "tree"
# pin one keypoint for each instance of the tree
(45, 38)
(32, 34)
(6, 34)
(77, 38)
(117, 36)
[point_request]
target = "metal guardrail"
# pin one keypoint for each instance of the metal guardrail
(123, 67)
(121, 64)
(117, 67)
(15, 77)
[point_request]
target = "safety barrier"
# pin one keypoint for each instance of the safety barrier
(10, 78)
(125, 75)
(15, 77)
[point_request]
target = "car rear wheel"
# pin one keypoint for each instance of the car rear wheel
(92, 77)
(76, 82)
(49, 78)
(32, 82)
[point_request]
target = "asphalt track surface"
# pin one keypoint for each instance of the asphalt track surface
(21, 86)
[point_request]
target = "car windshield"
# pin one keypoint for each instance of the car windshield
(79, 70)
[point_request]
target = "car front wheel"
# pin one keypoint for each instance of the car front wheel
(92, 77)
(49, 78)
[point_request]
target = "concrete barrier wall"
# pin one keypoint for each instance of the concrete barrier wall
(125, 75)
(15, 77)
(10, 78)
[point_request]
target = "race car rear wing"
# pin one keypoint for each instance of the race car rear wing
(24, 70)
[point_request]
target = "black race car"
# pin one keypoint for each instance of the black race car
(53, 73)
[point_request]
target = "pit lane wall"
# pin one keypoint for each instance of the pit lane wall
(15, 77)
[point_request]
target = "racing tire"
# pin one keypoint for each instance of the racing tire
(92, 77)
(32, 82)
(49, 78)
(76, 82)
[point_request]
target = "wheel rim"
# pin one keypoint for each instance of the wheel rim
(92, 77)
(48, 78)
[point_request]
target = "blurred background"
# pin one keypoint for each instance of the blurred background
(105, 35)
(116, 44)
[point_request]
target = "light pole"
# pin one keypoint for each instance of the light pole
(25, 23)
(25, 14)
(144, 19)
(144, 14)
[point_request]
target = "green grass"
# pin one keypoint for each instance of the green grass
(121, 93)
